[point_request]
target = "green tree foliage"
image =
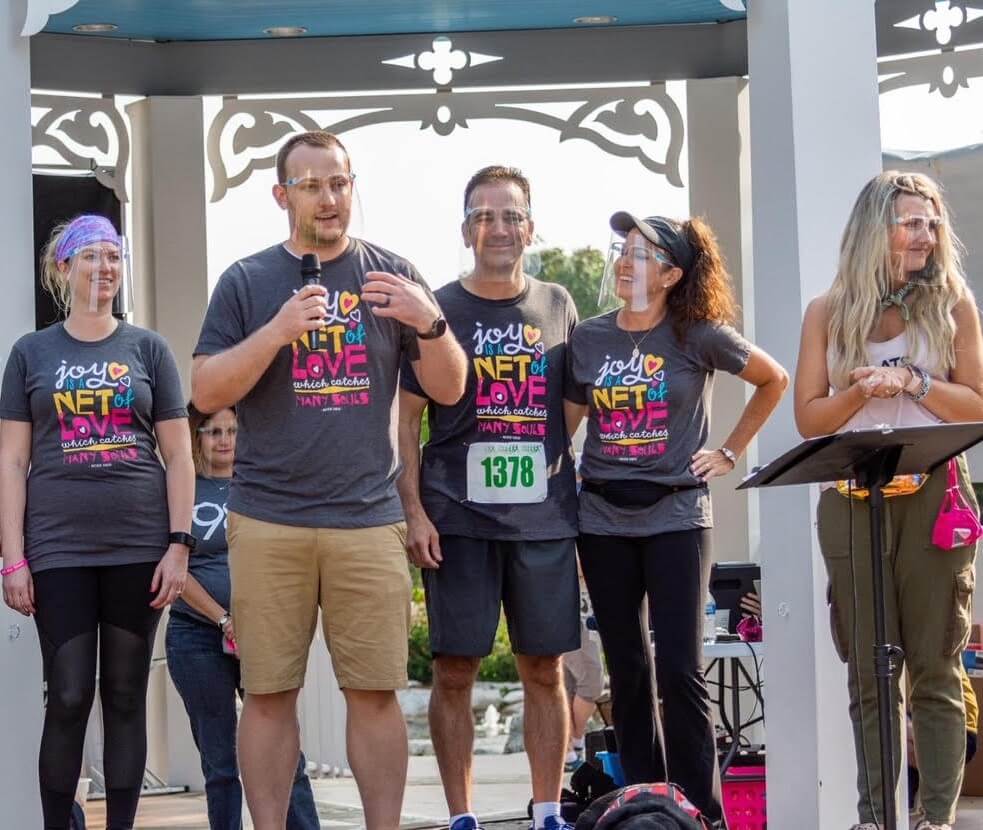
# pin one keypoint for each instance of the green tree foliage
(579, 272)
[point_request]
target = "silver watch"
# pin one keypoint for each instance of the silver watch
(224, 620)
(728, 454)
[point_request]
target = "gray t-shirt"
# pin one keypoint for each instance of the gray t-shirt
(516, 354)
(317, 433)
(96, 492)
(209, 564)
(649, 412)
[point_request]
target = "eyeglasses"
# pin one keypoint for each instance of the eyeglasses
(485, 217)
(110, 255)
(639, 252)
(218, 432)
(917, 224)
(313, 186)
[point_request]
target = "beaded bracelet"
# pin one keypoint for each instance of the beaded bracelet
(15, 567)
(926, 384)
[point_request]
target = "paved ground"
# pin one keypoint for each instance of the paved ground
(501, 791)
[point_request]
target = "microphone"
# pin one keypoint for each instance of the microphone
(310, 274)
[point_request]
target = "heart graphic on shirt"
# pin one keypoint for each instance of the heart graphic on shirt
(652, 364)
(541, 347)
(531, 333)
(117, 370)
(347, 302)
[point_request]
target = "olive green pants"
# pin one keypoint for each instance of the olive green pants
(928, 599)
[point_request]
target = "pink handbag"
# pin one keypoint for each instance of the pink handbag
(957, 524)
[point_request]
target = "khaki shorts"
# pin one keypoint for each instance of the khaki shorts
(359, 578)
(583, 670)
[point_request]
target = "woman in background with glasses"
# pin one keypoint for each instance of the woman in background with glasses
(201, 651)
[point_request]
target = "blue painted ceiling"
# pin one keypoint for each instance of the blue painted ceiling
(242, 19)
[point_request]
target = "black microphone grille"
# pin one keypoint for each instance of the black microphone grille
(310, 262)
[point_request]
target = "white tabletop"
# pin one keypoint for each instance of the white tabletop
(714, 651)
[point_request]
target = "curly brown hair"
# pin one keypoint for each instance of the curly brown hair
(705, 293)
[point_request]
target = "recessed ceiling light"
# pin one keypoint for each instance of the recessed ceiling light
(285, 31)
(94, 28)
(596, 20)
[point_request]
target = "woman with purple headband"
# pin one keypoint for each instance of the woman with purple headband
(94, 531)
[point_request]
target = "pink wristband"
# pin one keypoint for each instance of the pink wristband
(15, 567)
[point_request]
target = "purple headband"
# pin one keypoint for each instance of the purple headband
(83, 231)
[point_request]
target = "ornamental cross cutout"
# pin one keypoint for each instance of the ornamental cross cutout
(942, 20)
(442, 61)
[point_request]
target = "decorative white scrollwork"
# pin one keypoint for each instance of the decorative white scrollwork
(38, 12)
(442, 61)
(947, 70)
(734, 5)
(943, 72)
(86, 134)
(643, 123)
(942, 18)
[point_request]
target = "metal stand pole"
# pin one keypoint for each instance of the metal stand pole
(873, 474)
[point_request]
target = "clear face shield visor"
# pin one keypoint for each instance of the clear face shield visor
(495, 239)
(631, 273)
(326, 207)
(99, 277)
(917, 237)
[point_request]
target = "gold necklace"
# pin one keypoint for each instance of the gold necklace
(635, 352)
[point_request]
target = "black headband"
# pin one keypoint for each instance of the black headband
(659, 231)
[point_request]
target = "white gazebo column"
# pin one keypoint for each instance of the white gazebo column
(170, 296)
(169, 236)
(815, 140)
(20, 655)
(719, 191)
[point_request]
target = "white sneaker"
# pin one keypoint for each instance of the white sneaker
(867, 825)
(925, 824)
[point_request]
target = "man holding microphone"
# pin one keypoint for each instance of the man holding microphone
(314, 517)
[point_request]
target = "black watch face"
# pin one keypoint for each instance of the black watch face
(439, 327)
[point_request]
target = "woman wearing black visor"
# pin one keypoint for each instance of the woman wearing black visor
(642, 373)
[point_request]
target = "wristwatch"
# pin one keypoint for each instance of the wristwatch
(224, 620)
(178, 537)
(729, 454)
(437, 329)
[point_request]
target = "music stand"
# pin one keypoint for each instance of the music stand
(872, 457)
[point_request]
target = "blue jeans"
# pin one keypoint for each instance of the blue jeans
(208, 682)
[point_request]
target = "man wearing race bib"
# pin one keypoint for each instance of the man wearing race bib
(492, 511)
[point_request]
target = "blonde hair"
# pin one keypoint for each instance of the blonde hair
(866, 272)
(51, 278)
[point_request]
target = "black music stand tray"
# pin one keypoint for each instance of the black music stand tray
(872, 457)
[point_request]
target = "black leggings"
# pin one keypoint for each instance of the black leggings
(76, 608)
(673, 569)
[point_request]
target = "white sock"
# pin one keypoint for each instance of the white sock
(578, 744)
(571, 756)
(461, 815)
(543, 809)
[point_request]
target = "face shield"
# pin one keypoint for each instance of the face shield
(631, 273)
(495, 239)
(915, 238)
(97, 275)
(325, 207)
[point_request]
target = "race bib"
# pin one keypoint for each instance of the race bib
(506, 473)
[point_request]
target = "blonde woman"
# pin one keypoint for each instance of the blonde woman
(95, 532)
(896, 340)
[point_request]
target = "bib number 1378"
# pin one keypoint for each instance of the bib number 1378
(508, 471)
(513, 473)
